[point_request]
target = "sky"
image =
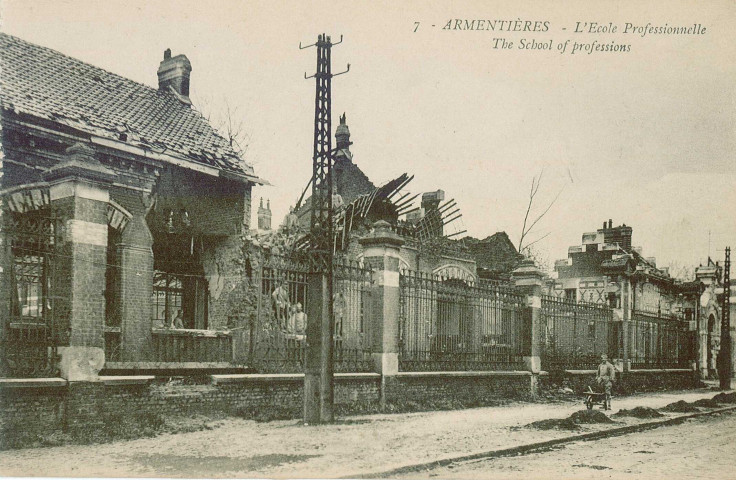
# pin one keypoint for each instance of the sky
(644, 137)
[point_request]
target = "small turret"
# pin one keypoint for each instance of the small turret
(264, 215)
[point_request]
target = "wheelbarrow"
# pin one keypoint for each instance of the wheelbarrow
(595, 398)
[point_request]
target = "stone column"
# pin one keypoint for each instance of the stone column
(79, 193)
(381, 253)
(528, 280)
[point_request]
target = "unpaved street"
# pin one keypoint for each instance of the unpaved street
(287, 449)
(699, 448)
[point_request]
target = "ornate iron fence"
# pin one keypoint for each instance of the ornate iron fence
(575, 334)
(448, 325)
(659, 340)
(277, 335)
(353, 333)
(31, 299)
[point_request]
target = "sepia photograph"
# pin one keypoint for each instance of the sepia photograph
(456, 239)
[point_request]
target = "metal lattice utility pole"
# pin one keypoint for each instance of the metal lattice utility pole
(724, 354)
(318, 374)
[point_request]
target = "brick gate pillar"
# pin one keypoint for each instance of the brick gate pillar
(528, 280)
(79, 193)
(136, 288)
(381, 253)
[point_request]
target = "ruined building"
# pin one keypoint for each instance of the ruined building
(121, 210)
(444, 257)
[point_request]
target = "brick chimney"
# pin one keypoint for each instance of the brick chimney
(430, 205)
(174, 72)
(620, 235)
(431, 200)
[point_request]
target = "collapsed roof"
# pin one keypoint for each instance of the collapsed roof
(46, 85)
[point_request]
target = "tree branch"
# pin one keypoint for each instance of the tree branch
(536, 182)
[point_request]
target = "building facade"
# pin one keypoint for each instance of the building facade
(607, 269)
(122, 209)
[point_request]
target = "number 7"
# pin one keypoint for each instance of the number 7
(416, 26)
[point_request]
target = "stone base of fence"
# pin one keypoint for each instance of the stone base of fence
(648, 380)
(472, 388)
(45, 406)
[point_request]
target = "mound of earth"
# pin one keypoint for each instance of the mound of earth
(554, 424)
(725, 398)
(680, 407)
(572, 422)
(707, 403)
(589, 416)
(639, 412)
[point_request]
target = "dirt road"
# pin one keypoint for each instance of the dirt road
(700, 448)
(287, 449)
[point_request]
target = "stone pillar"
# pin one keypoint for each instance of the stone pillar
(79, 193)
(527, 279)
(136, 287)
(381, 253)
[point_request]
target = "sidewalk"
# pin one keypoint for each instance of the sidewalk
(355, 445)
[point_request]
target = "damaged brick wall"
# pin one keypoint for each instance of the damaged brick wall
(224, 267)
(81, 406)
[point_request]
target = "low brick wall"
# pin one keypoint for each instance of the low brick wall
(47, 406)
(473, 388)
(633, 381)
(76, 406)
(38, 409)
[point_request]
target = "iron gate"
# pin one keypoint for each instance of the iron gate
(30, 298)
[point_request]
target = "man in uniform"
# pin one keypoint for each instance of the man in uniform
(604, 378)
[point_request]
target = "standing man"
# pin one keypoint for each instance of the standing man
(604, 378)
(280, 300)
(178, 321)
(298, 321)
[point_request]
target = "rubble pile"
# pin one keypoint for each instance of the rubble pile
(680, 407)
(639, 412)
(725, 398)
(572, 422)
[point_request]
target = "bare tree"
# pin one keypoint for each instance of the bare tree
(227, 120)
(681, 271)
(539, 257)
(232, 126)
(529, 225)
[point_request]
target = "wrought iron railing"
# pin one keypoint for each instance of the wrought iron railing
(28, 350)
(353, 328)
(573, 334)
(448, 325)
(276, 333)
(276, 337)
(659, 340)
(35, 297)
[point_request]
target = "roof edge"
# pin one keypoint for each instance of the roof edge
(141, 152)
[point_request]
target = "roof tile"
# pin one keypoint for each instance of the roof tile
(44, 83)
